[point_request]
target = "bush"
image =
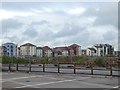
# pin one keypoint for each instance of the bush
(7, 60)
(99, 61)
(22, 60)
(44, 60)
(80, 59)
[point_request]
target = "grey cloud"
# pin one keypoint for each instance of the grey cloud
(68, 30)
(45, 36)
(30, 32)
(106, 14)
(82, 38)
(10, 24)
(40, 22)
(15, 39)
(71, 31)
(109, 36)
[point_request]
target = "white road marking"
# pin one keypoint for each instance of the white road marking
(7, 73)
(116, 87)
(46, 83)
(21, 83)
(4, 80)
(51, 83)
(18, 83)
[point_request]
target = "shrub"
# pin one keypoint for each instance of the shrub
(99, 61)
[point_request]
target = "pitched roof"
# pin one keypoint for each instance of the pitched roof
(74, 45)
(18, 48)
(83, 50)
(92, 49)
(39, 48)
(100, 45)
(9, 44)
(28, 44)
(46, 48)
(60, 48)
(3, 47)
(107, 45)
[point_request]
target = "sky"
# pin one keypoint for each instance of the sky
(59, 23)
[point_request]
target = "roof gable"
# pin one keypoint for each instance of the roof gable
(28, 44)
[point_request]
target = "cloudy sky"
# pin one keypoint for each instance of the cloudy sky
(59, 24)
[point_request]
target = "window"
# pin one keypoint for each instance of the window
(104, 49)
(101, 52)
(95, 51)
(89, 52)
(11, 46)
(7, 45)
(11, 50)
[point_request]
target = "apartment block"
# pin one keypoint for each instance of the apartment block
(27, 50)
(11, 49)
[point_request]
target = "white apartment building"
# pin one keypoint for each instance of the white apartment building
(100, 50)
(91, 52)
(39, 52)
(65, 52)
(103, 49)
(27, 49)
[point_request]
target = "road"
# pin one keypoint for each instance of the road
(65, 69)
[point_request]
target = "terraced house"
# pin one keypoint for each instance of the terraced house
(91, 52)
(60, 51)
(29, 50)
(3, 51)
(74, 49)
(39, 52)
(47, 51)
(71, 50)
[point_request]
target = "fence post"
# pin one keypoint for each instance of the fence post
(29, 66)
(17, 66)
(106, 65)
(43, 67)
(74, 67)
(91, 68)
(58, 68)
(110, 69)
(9, 66)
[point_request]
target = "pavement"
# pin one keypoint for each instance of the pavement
(55, 80)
